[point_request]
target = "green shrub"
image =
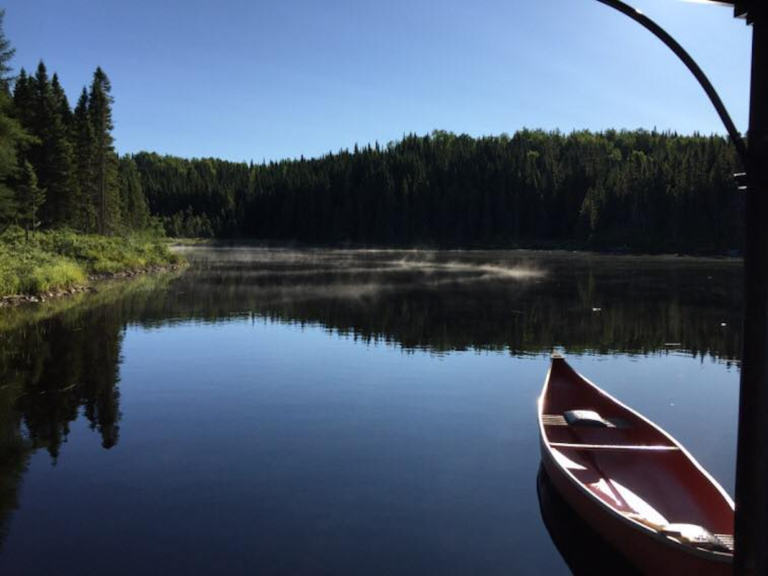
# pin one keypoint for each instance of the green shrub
(59, 259)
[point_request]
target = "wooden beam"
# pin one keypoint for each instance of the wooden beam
(629, 447)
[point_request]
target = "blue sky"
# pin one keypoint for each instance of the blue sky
(269, 79)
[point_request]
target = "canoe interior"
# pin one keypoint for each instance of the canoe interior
(658, 482)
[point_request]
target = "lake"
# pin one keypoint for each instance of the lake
(338, 412)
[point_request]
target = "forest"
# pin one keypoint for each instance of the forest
(616, 190)
(60, 166)
(627, 190)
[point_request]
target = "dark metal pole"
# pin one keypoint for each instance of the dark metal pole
(690, 63)
(752, 460)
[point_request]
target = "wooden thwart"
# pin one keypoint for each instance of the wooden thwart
(633, 447)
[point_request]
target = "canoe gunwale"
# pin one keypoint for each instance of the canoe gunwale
(640, 528)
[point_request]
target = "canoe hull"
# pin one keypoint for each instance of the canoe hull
(648, 554)
(628, 478)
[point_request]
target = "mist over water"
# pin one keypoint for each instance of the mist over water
(346, 411)
(520, 300)
(285, 276)
(266, 262)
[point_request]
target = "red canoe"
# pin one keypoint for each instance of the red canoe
(631, 481)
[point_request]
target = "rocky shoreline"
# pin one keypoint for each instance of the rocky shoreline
(23, 299)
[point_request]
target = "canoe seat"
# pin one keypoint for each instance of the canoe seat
(585, 418)
(559, 420)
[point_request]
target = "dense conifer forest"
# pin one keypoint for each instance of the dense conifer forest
(58, 165)
(67, 171)
(617, 190)
(627, 190)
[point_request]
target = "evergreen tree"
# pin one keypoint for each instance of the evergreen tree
(84, 144)
(23, 98)
(134, 211)
(105, 160)
(30, 198)
(6, 55)
(13, 138)
(52, 155)
(61, 102)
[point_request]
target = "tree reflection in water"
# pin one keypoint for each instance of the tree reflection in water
(523, 302)
(61, 360)
(57, 362)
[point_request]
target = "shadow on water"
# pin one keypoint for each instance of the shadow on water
(585, 551)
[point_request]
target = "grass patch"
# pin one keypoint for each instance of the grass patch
(58, 259)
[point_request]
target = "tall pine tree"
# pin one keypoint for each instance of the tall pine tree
(6, 55)
(23, 98)
(104, 157)
(135, 213)
(61, 102)
(85, 143)
(52, 156)
(12, 136)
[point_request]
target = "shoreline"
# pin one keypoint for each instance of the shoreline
(16, 300)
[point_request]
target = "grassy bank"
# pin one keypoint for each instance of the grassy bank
(58, 260)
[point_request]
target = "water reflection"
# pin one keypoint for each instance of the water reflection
(61, 361)
(520, 301)
(57, 362)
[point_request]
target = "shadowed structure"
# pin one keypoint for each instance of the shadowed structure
(752, 460)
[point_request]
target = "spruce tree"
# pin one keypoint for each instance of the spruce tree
(6, 55)
(105, 160)
(135, 212)
(85, 143)
(23, 98)
(29, 197)
(61, 102)
(52, 156)
(12, 137)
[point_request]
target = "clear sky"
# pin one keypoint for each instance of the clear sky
(269, 79)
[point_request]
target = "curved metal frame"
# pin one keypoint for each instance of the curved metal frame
(673, 45)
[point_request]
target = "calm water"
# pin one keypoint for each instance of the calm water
(338, 412)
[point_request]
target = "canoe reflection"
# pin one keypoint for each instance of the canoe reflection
(585, 552)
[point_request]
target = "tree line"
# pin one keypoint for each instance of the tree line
(58, 164)
(641, 190)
